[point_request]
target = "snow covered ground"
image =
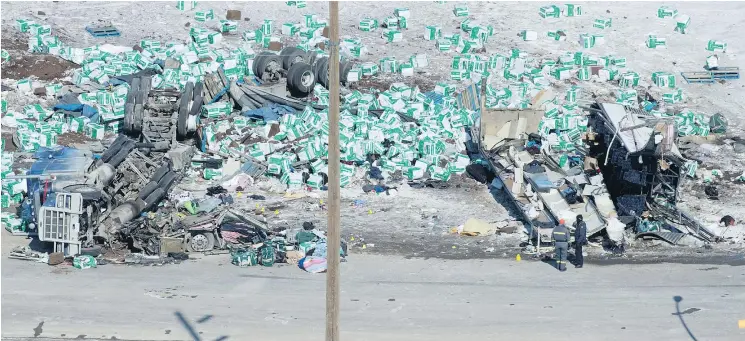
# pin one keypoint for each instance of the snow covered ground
(631, 23)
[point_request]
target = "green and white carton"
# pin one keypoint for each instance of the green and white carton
(266, 27)
(95, 131)
(666, 12)
(370, 69)
(528, 35)
(664, 79)
(573, 10)
(558, 35)
(290, 29)
(212, 173)
(602, 23)
(586, 40)
(392, 36)
(432, 32)
(186, 5)
(391, 23)
(24, 24)
(673, 97)
(216, 110)
(228, 26)
(445, 89)
(444, 45)
(653, 42)
(388, 65)
(682, 22)
(551, 11)
(460, 11)
(368, 25)
(203, 16)
(716, 45)
(629, 80)
(402, 12)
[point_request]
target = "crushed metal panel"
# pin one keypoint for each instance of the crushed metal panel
(500, 124)
(670, 237)
(621, 117)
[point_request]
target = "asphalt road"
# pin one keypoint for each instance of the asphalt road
(383, 298)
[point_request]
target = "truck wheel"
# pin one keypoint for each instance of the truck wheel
(302, 79)
(146, 83)
(198, 100)
(201, 242)
(344, 71)
(129, 109)
(183, 110)
(255, 65)
(264, 62)
(318, 66)
(135, 86)
(291, 55)
(139, 113)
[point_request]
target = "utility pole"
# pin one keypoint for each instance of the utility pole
(333, 259)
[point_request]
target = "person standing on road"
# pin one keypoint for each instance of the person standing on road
(580, 239)
(560, 235)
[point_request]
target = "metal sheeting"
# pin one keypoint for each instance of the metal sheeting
(671, 237)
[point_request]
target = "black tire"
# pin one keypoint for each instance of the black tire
(129, 118)
(271, 59)
(262, 60)
(310, 57)
(183, 110)
(141, 97)
(198, 90)
(149, 188)
(139, 113)
(135, 85)
(344, 71)
(325, 74)
(205, 242)
(196, 106)
(318, 66)
(167, 180)
(146, 83)
(290, 55)
(255, 65)
(297, 73)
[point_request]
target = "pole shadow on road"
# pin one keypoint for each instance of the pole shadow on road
(191, 329)
(677, 300)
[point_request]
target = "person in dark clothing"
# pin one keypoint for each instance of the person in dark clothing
(560, 236)
(580, 239)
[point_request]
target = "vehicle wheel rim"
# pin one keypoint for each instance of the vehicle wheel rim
(199, 242)
(307, 79)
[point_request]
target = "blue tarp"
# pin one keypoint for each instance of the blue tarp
(270, 112)
(87, 110)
